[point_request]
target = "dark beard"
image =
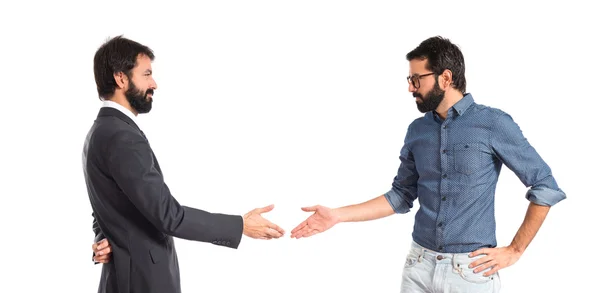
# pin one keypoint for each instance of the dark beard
(138, 99)
(432, 99)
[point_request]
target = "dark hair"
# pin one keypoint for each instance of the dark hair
(441, 54)
(116, 55)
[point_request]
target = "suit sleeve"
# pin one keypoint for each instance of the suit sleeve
(98, 235)
(131, 163)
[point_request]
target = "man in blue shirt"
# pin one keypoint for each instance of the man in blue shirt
(450, 161)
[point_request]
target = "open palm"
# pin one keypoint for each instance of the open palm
(322, 219)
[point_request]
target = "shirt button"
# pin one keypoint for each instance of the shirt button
(444, 198)
(440, 224)
(444, 151)
(445, 126)
(440, 247)
(439, 257)
(444, 176)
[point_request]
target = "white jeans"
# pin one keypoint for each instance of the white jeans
(429, 271)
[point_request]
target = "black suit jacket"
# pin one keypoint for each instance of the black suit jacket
(134, 210)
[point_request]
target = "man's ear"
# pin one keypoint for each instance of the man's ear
(446, 79)
(121, 79)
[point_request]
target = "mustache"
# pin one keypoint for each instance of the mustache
(150, 91)
(417, 95)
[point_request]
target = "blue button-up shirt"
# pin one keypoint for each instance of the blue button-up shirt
(452, 167)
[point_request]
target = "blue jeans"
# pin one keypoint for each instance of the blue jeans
(429, 271)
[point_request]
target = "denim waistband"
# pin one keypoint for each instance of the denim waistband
(455, 258)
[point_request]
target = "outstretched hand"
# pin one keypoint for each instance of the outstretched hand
(320, 221)
(257, 227)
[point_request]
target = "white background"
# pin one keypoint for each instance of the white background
(293, 103)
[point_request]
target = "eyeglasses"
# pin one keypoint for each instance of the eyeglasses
(414, 79)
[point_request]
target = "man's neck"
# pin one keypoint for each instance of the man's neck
(450, 99)
(121, 100)
(125, 109)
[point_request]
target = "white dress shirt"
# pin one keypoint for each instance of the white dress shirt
(119, 107)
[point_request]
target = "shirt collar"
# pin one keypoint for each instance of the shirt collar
(463, 104)
(459, 108)
(119, 107)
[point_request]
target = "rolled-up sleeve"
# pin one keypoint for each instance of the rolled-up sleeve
(404, 187)
(513, 149)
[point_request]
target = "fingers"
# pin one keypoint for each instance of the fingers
(302, 225)
(485, 266)
(275, 227)
(271, 230)
(100, 245)
(307, 232)
(265, 209)
(494, 269)
(310, 209)
(264, 229)
(479, 261)
(311, 233)
(102, 259)
(104, 251)
(478, 252)
(304, 230)
(265, 233)
(272, 233)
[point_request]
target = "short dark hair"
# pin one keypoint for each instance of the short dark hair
(116, 55)
(441, 54)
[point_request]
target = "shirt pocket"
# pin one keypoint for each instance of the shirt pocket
(467, 157)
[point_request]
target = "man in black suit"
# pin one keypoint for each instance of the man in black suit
(132, 206)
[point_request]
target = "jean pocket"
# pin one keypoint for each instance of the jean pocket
(468, 275)
(411, 261)
(467, 157)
